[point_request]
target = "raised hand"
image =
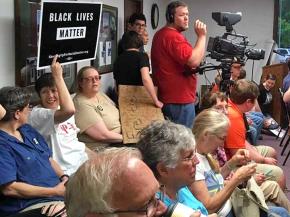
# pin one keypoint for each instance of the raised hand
(245, 172)
(56, 68)
(200, 28)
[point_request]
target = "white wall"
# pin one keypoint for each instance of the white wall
(7, 46)
(257, 23)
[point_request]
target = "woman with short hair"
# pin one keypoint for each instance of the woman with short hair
(29, 178)
(169, 150)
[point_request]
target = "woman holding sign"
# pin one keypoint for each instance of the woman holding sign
(132, 66)
(96, 115)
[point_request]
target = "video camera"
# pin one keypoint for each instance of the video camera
(230, 48)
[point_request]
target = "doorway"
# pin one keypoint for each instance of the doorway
(130, 7)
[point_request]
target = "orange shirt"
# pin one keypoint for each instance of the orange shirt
(236, 137)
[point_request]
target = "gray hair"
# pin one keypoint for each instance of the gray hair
(163, 141)
(13, 99)
(90, 189)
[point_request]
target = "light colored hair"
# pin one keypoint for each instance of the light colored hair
(80, 76)
(163, 141)
(210, 121)
(91, 188)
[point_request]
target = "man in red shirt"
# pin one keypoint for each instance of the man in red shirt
(173, 60)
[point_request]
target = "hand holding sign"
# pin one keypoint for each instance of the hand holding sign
(56, 68)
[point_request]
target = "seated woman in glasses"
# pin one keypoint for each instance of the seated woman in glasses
(29, 178)
(210, 130)
(169, 150)
(96, 115)
(132, 66)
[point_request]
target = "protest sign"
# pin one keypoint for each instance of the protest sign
(137, 110)
(69, 29)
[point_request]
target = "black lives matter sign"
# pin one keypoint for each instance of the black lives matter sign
(69, 29)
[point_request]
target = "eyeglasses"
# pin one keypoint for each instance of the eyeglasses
(92, 78)
(140, 25)
(223, 138)
(149, 209)
(190, 158)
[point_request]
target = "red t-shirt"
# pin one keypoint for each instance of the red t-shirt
(236, 137)
(169, 54)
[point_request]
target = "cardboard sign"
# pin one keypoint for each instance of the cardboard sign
(69, 29)
(137, 110)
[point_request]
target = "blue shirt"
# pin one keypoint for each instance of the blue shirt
(186, 197)
(26, 162)
(286, 83)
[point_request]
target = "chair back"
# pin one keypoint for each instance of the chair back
(285, 109)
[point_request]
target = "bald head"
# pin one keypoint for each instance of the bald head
(140, 186)
(114, 180)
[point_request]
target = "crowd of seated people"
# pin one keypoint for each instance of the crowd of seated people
(210, 131)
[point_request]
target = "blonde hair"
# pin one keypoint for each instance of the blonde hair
(213, 122)
(210, 121)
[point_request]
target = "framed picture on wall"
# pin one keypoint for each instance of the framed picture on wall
(107, 46)
(27, 21)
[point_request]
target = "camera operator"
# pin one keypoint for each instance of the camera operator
(172, 55)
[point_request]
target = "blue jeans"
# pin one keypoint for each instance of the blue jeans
(258, 121)
(180, 113)
(281, 211)
(231, 214)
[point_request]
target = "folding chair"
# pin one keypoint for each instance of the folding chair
(286, 125)
(286, 158)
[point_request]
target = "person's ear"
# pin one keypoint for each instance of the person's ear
(2, 112)
(162, 169)
(17, 115)
(204, 134)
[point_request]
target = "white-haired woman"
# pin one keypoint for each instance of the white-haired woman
(169, 150)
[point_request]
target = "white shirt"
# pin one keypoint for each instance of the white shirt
(67, 151)
(214, 182)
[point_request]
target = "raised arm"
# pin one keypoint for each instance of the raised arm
(198, 50)
(66, 106)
